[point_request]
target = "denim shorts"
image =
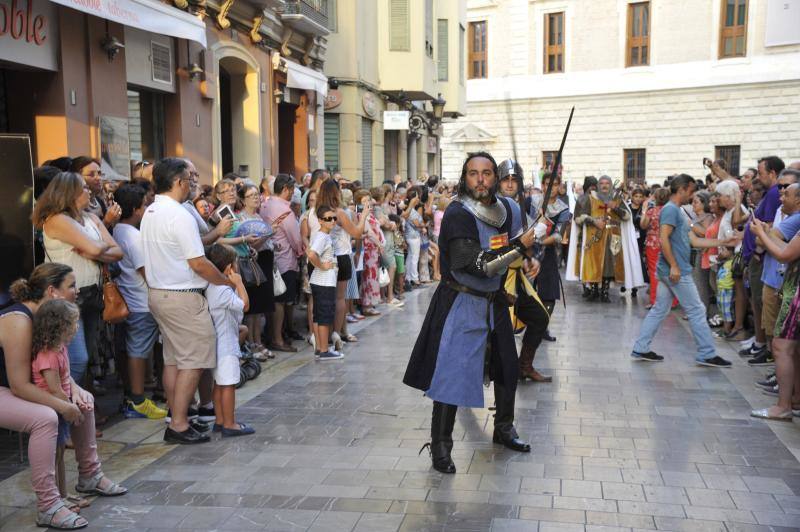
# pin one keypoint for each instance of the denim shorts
(141, 333)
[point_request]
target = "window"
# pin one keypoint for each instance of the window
(429, 28)
(547, 160)
(638, 34)
(332, 142)
(731, 156)
(733, 29)
(477, 50)
(554, 42)
(442, 49)
(366, 152)
(332, 15)
(634, 166)
(462, 60)
(399, 26)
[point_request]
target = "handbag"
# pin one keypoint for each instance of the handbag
(383, 278)
(251, 272)
(115, 310)
(737, 267)
(278, 286)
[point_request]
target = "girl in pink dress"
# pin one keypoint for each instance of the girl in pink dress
(54, 325)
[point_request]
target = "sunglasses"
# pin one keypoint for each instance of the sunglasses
(782, 186)
(328, 218)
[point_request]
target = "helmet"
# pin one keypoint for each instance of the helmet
(507, 168)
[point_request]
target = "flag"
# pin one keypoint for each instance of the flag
(498, 241)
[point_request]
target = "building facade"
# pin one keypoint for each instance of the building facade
(234, 85)
(391, 56)
(656, 85)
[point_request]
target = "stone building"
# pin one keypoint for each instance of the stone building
(395, 56)
(656, 85)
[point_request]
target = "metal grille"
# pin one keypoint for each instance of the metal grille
(366, 152)
(332, 142)
(634, 166)
(161, 58)
(731, 155)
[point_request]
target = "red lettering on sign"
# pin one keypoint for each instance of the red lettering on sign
(18, 21)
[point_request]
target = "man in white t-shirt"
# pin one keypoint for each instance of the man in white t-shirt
(177, 273)
(140, 328)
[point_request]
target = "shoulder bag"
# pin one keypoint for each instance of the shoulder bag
(115, 310)
(278, 286)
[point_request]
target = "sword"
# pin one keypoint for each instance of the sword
(520, 193)
(556, 164)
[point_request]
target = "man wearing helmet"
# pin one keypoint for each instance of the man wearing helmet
(527, 310)
(467, 335)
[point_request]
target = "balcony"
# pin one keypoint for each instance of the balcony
(306, 16)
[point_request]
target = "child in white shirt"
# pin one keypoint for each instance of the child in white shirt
(227, 309)
(323, 282)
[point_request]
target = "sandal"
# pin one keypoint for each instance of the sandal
(76, 501)
(763, 413)
(371, 312)
(92, 486)
(70, 521)
(733, 333)
(349, 338)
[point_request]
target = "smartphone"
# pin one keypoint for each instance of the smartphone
(707, 162)
(221, 213)
(359, 208)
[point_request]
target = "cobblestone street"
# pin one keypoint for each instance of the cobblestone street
(617, 445)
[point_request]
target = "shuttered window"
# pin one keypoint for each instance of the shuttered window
(442, 49)
(399, 39)
(332, 15)
(462, 50)
(638, 34)
(554, 42)
(733, 29)
(332, 142)
(429, 28)
(478, 58)
(366, 152)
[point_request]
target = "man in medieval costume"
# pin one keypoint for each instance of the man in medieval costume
(528, 312)
(467, 335)
(550, 231)
(607, 251)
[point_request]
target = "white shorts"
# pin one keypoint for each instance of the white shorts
(227, 371)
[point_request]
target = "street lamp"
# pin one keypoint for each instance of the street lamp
(438, 104)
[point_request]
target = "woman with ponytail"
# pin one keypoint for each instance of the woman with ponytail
(27, 408)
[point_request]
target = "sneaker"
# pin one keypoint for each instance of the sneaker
(147, 409)
(206, 414)
(650, 356)
(772, 390)
(752, 351)
(716, 362)
(396, 302)
(764, 359)
(191, 415)
(769, 382)
(329, 355)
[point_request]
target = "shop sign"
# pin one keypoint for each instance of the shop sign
(396, 119)
(370, 104)
(333, 99)
(433, 144)
(115, 153)
(28, 33)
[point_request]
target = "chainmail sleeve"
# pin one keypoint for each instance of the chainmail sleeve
(464, 253)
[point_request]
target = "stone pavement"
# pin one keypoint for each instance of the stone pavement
(617, 445)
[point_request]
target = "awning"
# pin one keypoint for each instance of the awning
(300, 77)
(147, 15)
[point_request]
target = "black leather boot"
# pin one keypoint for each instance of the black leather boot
(441, 444)
(594, 292)
(504, 431)
(604, 291)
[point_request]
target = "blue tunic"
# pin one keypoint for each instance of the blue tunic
(458, 377)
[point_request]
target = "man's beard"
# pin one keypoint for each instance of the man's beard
(606, 197)
(478, 195)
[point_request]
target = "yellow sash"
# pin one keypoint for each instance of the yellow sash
(515, 271)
